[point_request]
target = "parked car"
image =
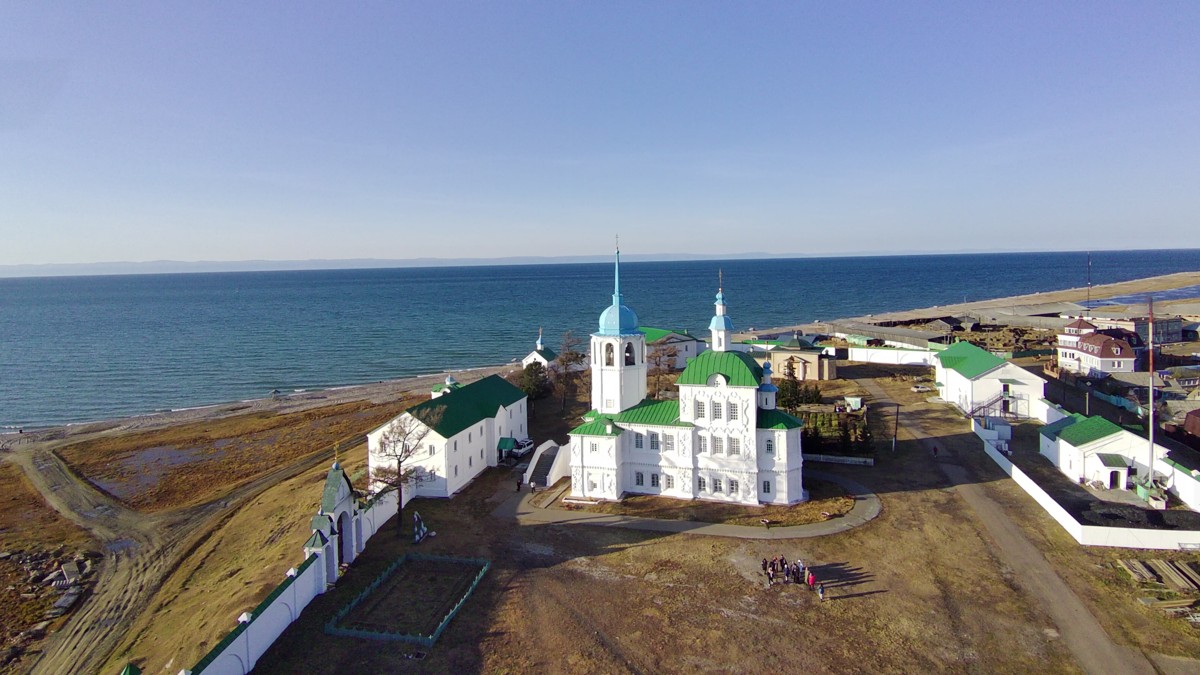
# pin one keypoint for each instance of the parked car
(524, 447)
(921, 388)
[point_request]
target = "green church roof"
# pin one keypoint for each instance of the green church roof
(968, 360)
(329, 498)
(468, 405)
(653, 413)
(739, 369)
(547, 354)
(1091, 429)
(596, 425)
(778, 419)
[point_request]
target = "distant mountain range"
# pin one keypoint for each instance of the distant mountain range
(179, 266)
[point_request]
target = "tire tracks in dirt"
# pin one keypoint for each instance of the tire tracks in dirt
(141, 552)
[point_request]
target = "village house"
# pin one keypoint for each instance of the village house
(454, 435)
(722, 440)
(980, 383)
(793, 355)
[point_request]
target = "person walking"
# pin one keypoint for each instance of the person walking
(821, 592)
(764, 565)
(812, 580)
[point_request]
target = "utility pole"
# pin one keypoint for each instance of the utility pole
(1150, 304)
(896, 429)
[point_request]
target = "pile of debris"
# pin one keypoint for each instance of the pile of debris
(53, 582)
(1181, 578)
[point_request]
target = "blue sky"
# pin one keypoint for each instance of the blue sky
(291, 130)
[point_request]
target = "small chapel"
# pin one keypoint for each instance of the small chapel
(722, 440)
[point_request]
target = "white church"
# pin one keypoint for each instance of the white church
(723, 440)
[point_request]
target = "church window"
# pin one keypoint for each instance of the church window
(766, 487)
(770, 447)
(669, 482)
(609, 355)
(629, 358)
(456, 471)
(470, 462)
(592, 447)
(716, 410)
(469, 437)
(456, 446)
(639, 478)
(703, 447)
(733, 412)
(431, 449)
(699, 409)
(735, 446)
(716, 485)
(653, 480)
(481, 453)
(718, 445)
(637, 441)
(653, 441)
(733, 487)
(700, 484)
(668, 443)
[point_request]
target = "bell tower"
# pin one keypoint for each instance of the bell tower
(618, 355)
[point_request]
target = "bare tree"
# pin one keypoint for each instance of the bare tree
(400, 443)
(567, 366)
(662, 362)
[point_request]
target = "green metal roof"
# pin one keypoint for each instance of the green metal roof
(653, 413)
(656, 334)
(443, 385)
(1007, 380)
(1091, 429)
(317, 540)
(968, 360)
(329, 498)
(131, 669)
(468, 405)
(778, 419)
(597, 426)
(1113, 461)
(216, 651)
(547, 354)
(506, 443)
(1053, 429)
(740, 369)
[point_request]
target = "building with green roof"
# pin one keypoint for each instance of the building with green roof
(721, 440)
(1088, 449)
(982, 384)
(671, 348)
(447, 440)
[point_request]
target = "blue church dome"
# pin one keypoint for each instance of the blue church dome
(618, 319)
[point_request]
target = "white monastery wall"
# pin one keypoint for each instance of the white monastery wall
(891, 355)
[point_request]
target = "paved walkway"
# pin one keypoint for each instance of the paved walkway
(1082, 633)
(866, 507)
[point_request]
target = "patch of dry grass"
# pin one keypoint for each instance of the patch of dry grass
(178, 466)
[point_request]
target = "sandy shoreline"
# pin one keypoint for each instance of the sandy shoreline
(390, 390)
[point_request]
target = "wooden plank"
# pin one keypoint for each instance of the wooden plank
(1169, 576)
(1189, 572)
(1136, 570)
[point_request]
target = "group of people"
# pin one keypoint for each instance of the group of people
(794, 573)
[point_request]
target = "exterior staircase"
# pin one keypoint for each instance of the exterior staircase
(541, 470)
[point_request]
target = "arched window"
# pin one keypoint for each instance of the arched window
(629, 359)
(609, 355)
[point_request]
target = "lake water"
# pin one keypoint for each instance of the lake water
(84, 348)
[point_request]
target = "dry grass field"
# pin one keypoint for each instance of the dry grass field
(182, 465)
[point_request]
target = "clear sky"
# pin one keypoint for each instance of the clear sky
(294, 130)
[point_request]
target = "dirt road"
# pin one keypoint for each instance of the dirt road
(141, 551)
(1083, 634)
